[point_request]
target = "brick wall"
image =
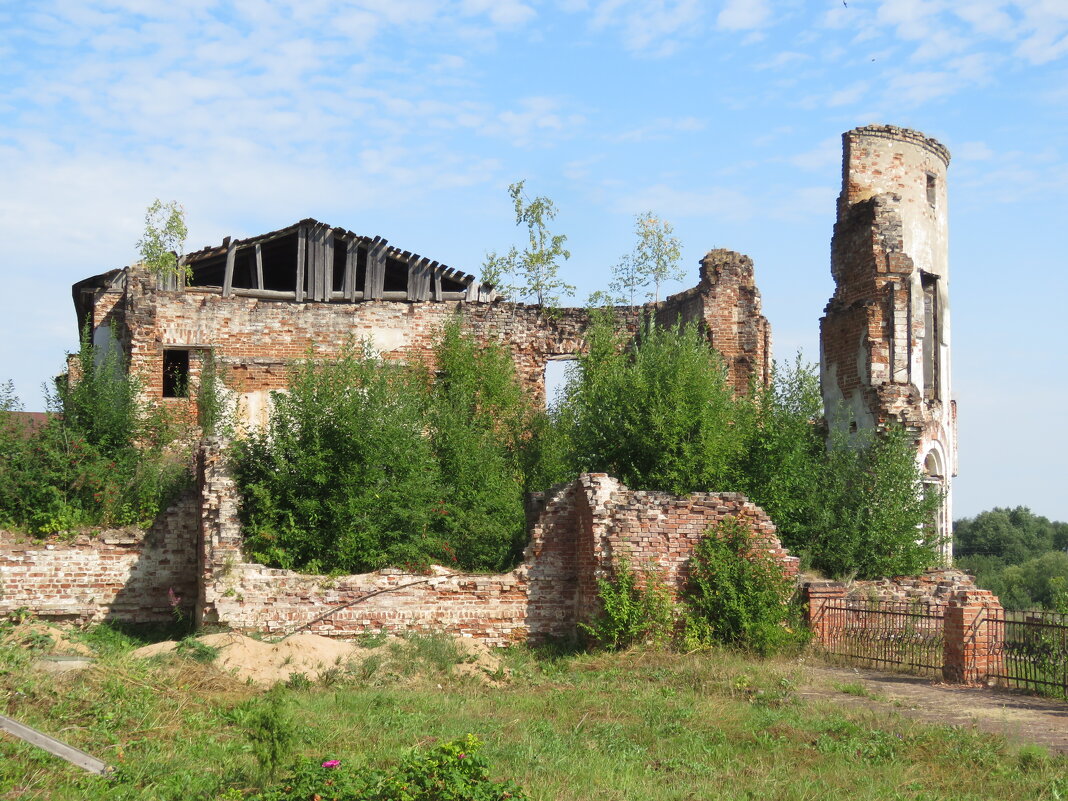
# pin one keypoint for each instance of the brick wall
(256, 338)
(578, 533)
(124, 574)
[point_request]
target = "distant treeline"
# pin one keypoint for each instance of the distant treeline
(1022, 557)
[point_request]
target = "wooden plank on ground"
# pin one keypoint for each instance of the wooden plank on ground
(73, 755)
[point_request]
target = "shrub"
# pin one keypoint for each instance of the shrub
(631, 612)
(101, 458)
(659, 414)
(366, 463)
(737, 594)
(342, 477)
(452, 771)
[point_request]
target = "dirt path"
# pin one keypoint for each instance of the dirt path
(1020, 717)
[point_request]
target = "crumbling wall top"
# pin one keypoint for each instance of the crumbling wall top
(899, 134)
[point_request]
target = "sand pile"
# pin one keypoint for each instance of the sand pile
(312, 655)
(44, 638)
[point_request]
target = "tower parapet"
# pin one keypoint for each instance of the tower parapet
(884, 339)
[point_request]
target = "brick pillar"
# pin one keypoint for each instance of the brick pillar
(220, 528)
(817, 594)
(973, 625)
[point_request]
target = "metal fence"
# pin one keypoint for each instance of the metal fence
(885, 634)
(1030, 651)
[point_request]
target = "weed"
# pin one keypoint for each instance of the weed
(298, 681)
(855, 688)
(269, 727)
(192, 648)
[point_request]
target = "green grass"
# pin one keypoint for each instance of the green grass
(650, 726)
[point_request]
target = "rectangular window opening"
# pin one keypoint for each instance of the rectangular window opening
(932, 183)
(176, 374)
(930, 337)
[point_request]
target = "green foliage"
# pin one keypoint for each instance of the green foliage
(654, 260)
(215, 403)
(101, 458)
(160, 247)
(451, 771)
(99, 401)
(342, 477)
(1017, 554)
(536, 269)
(633, 611)
(658, 413)
(268, 725)
(741, 593)
(1011, 535)
(478, 417)
(365, 464)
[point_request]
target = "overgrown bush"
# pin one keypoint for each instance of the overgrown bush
(451, 771)
(739, 595)
(100, 459)
(633, 610)
(366, 463)
(658, 413)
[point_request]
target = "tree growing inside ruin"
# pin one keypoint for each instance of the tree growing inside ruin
(163, 241)
(655, 260)
(534, 272)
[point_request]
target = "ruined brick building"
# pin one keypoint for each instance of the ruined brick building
(257, 304)
(884, 339)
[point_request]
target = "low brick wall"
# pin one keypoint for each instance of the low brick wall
(126, 575)
(579, 532)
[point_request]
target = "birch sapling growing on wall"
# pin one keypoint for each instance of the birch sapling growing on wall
(656, 259)
(536, 269)
(162, 244)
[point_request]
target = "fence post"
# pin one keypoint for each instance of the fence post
(817, 594)
(969, 648)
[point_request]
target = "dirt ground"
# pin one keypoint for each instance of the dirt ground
(268, 663)
(1020, 717)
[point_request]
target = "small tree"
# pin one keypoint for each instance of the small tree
(162, 244)
(536, 269)
(654, 260)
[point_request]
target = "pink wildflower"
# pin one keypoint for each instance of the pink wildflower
(332, 763)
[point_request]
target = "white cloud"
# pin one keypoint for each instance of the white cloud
(652, 27)
(972, 151)
(826, 153)
(662, 128)
(506, 13)
(536, 121)
(743, 15)
(721, 203)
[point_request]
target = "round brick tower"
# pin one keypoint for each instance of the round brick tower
(884, 339)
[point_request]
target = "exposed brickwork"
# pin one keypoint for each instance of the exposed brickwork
(884, 338)
(579, 533)
(726, 303)
(256, 338)
(125, 575)
(933, 587)
(945, 602)
(970, 655)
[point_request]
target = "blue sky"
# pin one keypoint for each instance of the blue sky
(409, 118)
